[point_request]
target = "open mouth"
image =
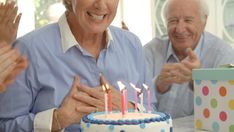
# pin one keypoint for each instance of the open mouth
(95, 16)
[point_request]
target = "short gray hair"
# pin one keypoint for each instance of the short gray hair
(201, 4)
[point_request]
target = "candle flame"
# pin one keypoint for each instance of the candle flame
(134, 86)
(103, 87)
(145, 86)
(107, 86)
(121, 85)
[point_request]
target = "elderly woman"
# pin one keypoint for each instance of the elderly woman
(11, 62)
(69, 61)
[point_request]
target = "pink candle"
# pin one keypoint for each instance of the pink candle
(106, 107)
(123, 104)
(126, 100)
(122, 87)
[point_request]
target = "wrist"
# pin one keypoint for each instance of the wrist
(160, 86)
(56, 122)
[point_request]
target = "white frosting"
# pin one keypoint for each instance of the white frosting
(129, 116)
(155, 126)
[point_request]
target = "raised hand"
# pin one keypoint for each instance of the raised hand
(71, 110)
(177, 72)
(9, 22)
(191, 61)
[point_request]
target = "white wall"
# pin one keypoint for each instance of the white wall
(137, 16)
(27, 22)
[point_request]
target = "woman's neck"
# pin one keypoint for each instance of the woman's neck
(91, 42)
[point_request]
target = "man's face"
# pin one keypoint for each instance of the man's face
(184, 24)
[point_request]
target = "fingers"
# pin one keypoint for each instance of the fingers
(68, 108)
(9, 21)
(8, 12)
(4, 48)
(21, 65)
(174, 73)
(192, 60)
(124, 26)
(89, 96)
(87, 109)
(11, 64)
(8, 58)
(90, 103)
(83, 97)
(22, 62)
(11, 13)
(93, 92)
(191, 54)
(17, 21)
(75, 85)
(7, 74)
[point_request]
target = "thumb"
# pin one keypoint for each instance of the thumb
(75, 84)
(191, 55)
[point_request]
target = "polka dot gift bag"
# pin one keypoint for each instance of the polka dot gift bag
(214, 99)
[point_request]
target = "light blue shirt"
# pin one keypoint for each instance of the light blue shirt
(55, 59)
(178, 101)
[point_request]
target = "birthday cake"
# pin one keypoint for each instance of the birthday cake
(131, 121)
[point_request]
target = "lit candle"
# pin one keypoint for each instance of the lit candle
(141, 98)
(105, 99)
(109, 93)
(121, 88)
(148, 98)
(126, 99)
(136, 91)
(123, 103)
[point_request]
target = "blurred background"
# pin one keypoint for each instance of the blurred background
(143, 17)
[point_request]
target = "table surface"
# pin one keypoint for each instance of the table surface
(185, 124)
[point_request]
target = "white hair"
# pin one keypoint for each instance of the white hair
(204, 10)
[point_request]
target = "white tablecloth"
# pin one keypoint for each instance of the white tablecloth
(184, 124)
